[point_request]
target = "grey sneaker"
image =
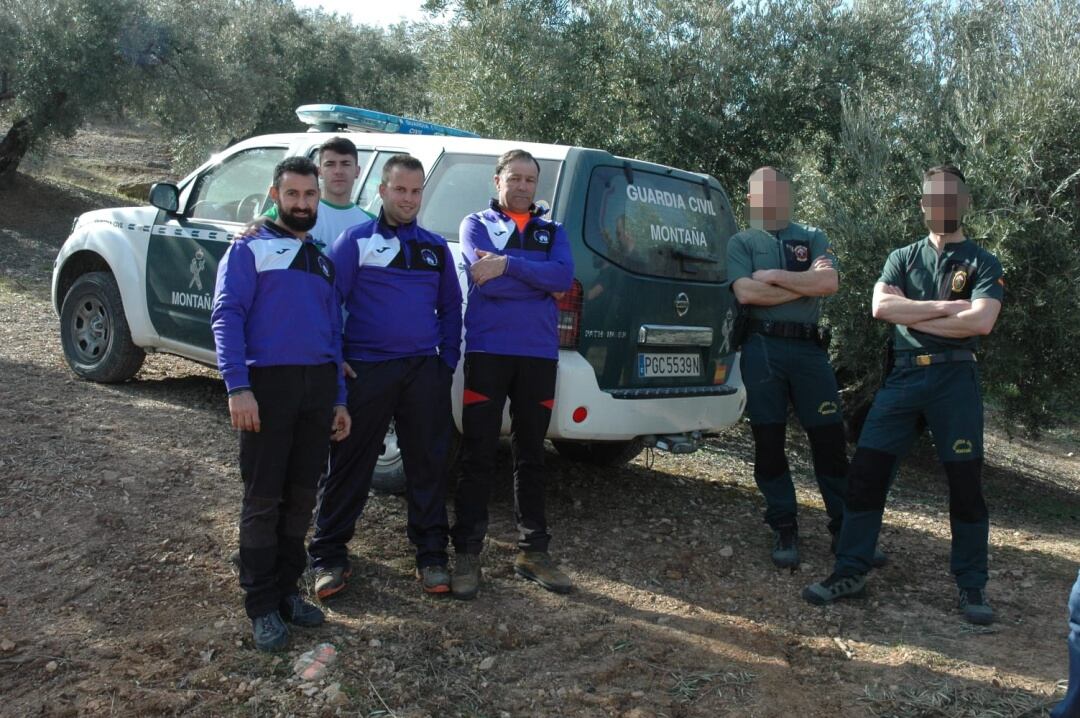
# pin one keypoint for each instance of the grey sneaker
(434, 579)
(299, 612)
(329, 581)
(465, 582)
(833, 588)
(540, 567)
(269, 632)
(879, 560)
(785, 553)
(975, 606)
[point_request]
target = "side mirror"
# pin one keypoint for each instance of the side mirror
(166, 196)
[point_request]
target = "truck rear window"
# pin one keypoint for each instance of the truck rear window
(656, 225)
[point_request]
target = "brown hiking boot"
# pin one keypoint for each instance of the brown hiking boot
(465, 581)
(540, 567)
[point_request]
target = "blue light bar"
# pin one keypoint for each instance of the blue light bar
(328, 118)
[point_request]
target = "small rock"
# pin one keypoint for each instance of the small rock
(51, 666)
(334, 695)
(673, 574)
(313, 665)
(637, 694)
(374, 643)
(727, 552)
(7, 645)
(487, 663)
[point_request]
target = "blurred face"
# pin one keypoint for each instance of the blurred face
(768, 203)
(516, 185)
(338, 174)
(402, 194)
(945, 199)
(297, 200)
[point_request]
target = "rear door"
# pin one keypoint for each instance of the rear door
(657, 311)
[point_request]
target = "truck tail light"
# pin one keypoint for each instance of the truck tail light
(570, 316)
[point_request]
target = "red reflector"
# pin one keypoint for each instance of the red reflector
(570, 316)
(580, 414)
(472, 397)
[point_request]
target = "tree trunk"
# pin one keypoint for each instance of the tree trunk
(13, 148)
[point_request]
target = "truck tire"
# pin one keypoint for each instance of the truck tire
(600, 453)
(94, 331)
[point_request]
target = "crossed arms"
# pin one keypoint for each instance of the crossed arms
(769, 287)
(953, 319)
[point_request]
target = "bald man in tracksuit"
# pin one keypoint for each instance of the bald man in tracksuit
(402, 342)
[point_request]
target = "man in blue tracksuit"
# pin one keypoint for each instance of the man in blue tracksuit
(517, 262)
(277, 328)
(399, 285)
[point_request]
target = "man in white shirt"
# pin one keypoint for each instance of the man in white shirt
(338, 169)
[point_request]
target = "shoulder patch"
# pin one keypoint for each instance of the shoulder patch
(377, 250)
(274, 253)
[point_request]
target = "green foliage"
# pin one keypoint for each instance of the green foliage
(63, 60)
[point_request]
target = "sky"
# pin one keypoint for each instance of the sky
(370, 12)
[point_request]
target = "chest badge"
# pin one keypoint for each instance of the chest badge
(802, 253)
(542, 237)
(429, 258)
(959, 280)
(324, 266)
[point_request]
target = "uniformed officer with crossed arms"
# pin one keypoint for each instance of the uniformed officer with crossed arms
(942, 293)
(783, 271)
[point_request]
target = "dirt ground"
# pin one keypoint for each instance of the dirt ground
(118, 508)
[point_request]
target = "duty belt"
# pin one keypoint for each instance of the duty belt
(788, 330)
(903, 361)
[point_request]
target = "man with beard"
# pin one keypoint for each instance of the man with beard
(941, 293)
(402, 341)
(277, 328)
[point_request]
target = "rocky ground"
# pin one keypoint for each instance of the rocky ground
(118, 510)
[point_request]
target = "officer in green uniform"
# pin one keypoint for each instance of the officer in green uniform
(782, 270)
(942, 293)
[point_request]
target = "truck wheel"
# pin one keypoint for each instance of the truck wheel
(600, 453)
(94, 331)
(389, 474)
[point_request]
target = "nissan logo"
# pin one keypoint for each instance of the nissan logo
(682, 304)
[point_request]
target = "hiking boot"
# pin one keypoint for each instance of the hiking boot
(329, 581)
(299, 612)
(975, 606)
(833, 588)
(269, 632)
(880, 557)
(434, 579)
(540, 567)
(785, 553)
(466, 579)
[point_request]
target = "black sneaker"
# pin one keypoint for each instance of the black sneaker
(299, 612)
(434, 580)
(785, 553)
(833, 588)
(269, 632)
(975, 606)
(879, 560)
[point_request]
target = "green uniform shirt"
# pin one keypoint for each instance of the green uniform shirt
(963, 270)
(794, 248)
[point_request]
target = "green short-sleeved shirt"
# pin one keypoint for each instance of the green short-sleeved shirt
(964, 270)
(794, 248)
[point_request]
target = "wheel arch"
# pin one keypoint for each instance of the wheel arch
(81, 262)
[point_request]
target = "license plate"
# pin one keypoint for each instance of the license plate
(653, 365)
